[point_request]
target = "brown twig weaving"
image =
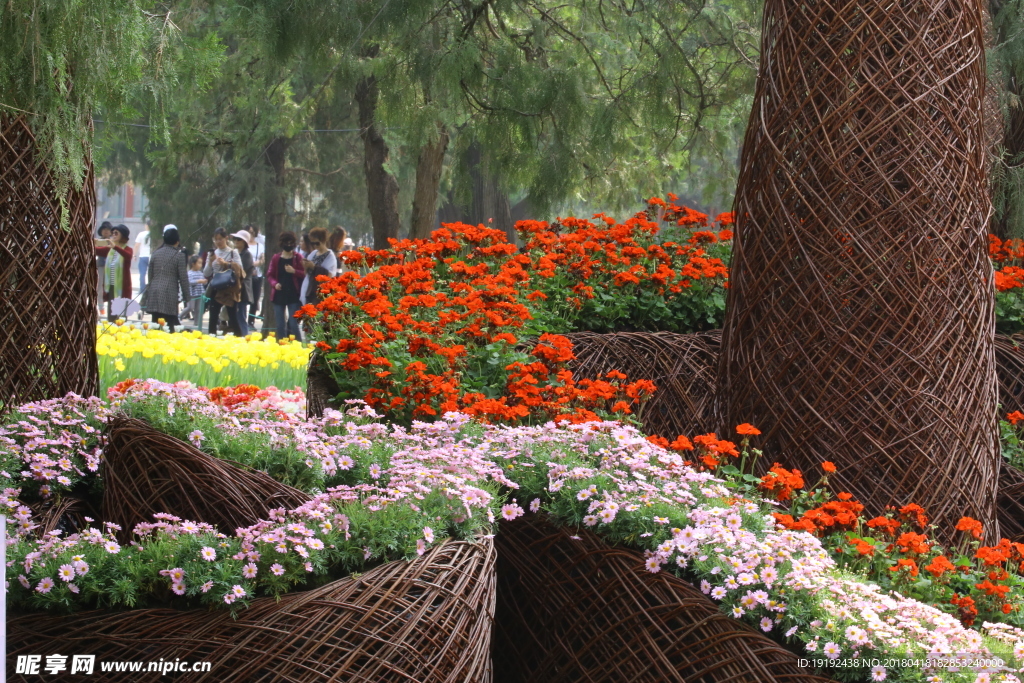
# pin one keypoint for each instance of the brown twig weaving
(683, 366)
(47, 279)
(578, 610)
(1010, 370)
(860, 321)
(428, 620)
(146, 471)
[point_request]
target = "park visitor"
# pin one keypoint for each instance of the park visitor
(102, 234)
(337, 240)
(285, 275)
(257, 246)
(168, 276)
(142, 254)
(320, 261)
(221, 260)
(242, 238)
(117, 270)
(197, 288)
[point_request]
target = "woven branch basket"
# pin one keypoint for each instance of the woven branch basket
(47, 278)
(1010, 504)
(428, 620)
(1010, 370)
(859, 326)
(683, 366)
(578, 610)
(146, 471)
(685, 369)
(320, 387)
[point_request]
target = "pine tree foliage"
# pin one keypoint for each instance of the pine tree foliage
(215, 166)
(565, 99)
(1006, 69)
(62, 62)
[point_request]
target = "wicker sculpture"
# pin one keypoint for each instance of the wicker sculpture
(47, 279)
(1010, 371)
(1010, 504)
(427, 620)
(147, 471)
(860, 320)
(320, 387)
(574, 609)
(683, 366)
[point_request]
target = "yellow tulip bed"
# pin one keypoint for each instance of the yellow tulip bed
(125, 351)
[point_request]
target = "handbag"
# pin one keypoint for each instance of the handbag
(223, 280)
(313, 289)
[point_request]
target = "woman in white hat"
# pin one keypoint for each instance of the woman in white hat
(242, 238)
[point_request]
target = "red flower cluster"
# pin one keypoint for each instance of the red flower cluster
(1010, 277)
(590, 258)
(833, 515)
(780, 483)
(431, 327)
(713, 450)
(231, 396)
(900, 551)
(1001, 251)
(968, 611)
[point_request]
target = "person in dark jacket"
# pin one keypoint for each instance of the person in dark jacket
(242, 238)
(285, 275)
(168, 275)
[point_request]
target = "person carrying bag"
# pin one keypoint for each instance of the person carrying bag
(320, 261)
(224, 273)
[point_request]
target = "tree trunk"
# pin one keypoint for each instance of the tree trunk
(1005, 221)
(381, 186)
(860, 327)
(428, 180)
(489, 205)
(48, 278)
(274, 223)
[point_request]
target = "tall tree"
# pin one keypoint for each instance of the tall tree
(61, 63)
(269, 143)
(64, 62)
(559, 99)
(381, 186)
(1006, 68)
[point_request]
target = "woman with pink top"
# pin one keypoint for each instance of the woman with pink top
(285, 275)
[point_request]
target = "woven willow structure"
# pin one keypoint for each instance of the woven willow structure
(47, 279)
(147, 471)
(1010, 371)
(860, 320)
(428, 620)
(683, 366)
(320, 387)
(574, 609)
(1010, 504)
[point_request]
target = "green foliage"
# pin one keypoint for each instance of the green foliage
(260, 447)
(1006, 71)
(1010, 444)
(1010, 311)
(563, 101)
(64, 61)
